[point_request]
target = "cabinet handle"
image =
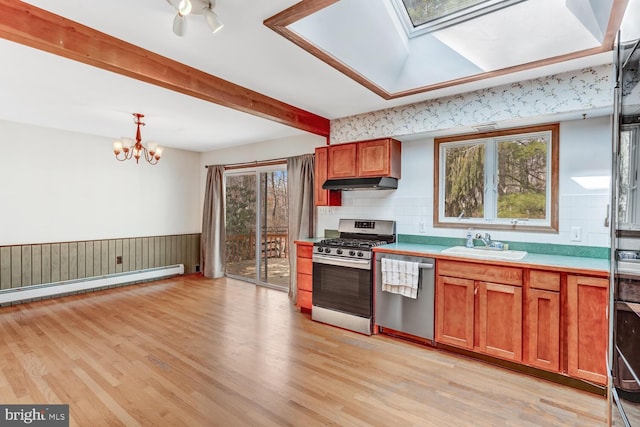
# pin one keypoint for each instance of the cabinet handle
(475, 290)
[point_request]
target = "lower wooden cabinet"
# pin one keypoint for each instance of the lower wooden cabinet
(500, 320)
(304, 274)
(455, 311)
(543, 329)
(587, 327)
(479, 315)
(542, 320)
(550, 320)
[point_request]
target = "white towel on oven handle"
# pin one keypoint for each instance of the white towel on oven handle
(400, 277)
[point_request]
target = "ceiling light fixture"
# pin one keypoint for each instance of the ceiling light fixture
(194, 7)
(135, 149)
(184, 7)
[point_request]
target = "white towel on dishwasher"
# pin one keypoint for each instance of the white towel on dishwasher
(400, 277)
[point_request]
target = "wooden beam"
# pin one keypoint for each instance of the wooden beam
(31, 26)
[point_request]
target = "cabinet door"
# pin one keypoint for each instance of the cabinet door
(320, 196)
(587, 327)
(342, 161)
(379, 158)
(542, 329)
(304, 274)
(500, 320)
(454, 311)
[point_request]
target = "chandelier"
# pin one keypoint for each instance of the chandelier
(134, 149)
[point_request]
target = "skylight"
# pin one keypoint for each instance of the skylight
(481, 39)
(424, 16)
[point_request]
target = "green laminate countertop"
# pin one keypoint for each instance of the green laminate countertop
(574, 264)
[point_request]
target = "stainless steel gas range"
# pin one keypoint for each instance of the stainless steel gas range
(343, 274)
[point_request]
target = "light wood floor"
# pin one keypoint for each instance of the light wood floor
(196, 352)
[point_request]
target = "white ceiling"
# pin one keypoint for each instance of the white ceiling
(45, 90)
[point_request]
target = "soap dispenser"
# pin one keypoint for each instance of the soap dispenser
(469, 238)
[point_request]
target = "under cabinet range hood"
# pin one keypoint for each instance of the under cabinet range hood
(377, 183)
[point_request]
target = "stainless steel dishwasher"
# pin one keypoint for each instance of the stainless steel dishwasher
(403, 314)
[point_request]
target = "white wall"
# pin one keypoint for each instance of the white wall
(585, 150)
(60, 186)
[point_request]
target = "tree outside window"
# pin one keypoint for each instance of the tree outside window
(501, 179)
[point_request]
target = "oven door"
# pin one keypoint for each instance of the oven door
(343, 285)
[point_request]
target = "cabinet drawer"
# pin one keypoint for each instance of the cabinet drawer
(546, 280)
(482, 272)
(305, 266)
(305, 282)
(305, 251)
(304, 299)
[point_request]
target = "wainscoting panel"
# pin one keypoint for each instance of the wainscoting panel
(34, 264)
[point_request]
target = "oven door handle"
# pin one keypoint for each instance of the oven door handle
(362, 264)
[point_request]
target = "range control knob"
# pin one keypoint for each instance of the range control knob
(339, 251)
(360, 254)
(319, 249)
(352, 253)
(327, 250)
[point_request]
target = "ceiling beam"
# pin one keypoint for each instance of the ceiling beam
(31, 26)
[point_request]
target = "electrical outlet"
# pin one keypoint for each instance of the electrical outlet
(576, 234)
(422, 227)
(119, 259)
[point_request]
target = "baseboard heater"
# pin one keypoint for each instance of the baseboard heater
(87, 283)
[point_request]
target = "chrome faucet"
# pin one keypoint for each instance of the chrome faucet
(486, 239)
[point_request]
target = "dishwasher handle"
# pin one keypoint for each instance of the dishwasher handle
(421, 265)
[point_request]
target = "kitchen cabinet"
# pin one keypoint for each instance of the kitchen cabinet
(500, 320)
(342, 161)
(322, 197)
(479, 308)
(374, 158)
(587, 327)
(304, 274)
(542, 320)
(454, 311)
(379, 157)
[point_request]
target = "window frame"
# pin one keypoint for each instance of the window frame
(550, 225)
(449, 20)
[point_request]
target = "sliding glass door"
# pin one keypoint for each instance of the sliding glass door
(256, 226)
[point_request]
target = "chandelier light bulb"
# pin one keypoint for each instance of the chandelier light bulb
(117, 147)
(184, 7)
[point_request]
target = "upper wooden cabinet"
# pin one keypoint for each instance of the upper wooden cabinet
(342, 161)
(378, 157)
(322, 197)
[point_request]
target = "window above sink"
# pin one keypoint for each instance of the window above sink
(502, 179)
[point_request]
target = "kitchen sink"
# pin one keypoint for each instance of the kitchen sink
(485, 253)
